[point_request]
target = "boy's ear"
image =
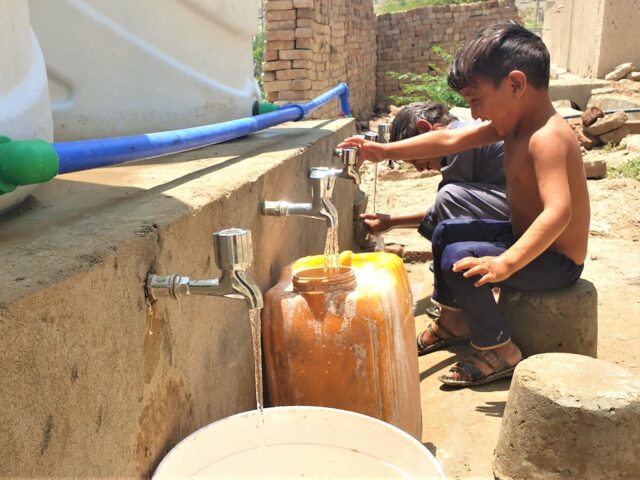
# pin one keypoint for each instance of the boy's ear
(518, 82)
(423, 125)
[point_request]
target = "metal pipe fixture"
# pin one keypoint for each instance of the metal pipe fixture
(27, 162)
(233, 255)
(348, 157)
(323, 180)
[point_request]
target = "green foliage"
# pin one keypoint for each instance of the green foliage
(420, 87)
(258, 54)
(388, 6)
(630, 169)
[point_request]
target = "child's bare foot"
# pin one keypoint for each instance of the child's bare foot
(484, 366)
(449, 329)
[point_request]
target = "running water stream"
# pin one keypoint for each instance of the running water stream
(331, 251)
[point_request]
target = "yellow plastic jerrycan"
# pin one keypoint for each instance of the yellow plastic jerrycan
(344, 340)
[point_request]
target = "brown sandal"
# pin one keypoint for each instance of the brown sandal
(442, 342)
(501, 369)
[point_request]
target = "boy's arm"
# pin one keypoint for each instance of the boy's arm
(436, 143)
(380, 222)
(549, 157)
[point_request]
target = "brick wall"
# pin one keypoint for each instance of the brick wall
(312, 45)
(405, 39)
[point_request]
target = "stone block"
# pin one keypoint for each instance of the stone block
(277, 85)
(303, 3)
(586, 140)
(280, 25)
(564, 320)
(279, 35)
(292, 74)
(620, 71)
(296, 54)
(632, 143)
(595, 169)
(280, 15)
(615, 136)
(607, 123)
(591, 115)
(278, 5)
(635, 76)
(276, 65)
(569, 416)
(273, 45)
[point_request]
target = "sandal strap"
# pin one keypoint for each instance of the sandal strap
(444, 329)
(468, 369)
(498, 364)
(432, 331)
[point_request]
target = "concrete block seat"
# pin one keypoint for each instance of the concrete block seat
(570, 416)
(564, 320)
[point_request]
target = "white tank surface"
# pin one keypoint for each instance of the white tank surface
(299, 442)
(122, 67)
(25, 111)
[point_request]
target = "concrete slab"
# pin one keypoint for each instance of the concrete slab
(96, 384)
(576, 90)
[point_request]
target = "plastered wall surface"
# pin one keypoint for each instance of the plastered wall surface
(590, 38)
(94, 385)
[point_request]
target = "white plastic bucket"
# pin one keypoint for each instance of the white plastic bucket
(25, 111)
(299, 442)
(123, 67)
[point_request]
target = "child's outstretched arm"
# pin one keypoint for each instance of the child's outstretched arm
(436, 143)
(380, 222)
(549, 160)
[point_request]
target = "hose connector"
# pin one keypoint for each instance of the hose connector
(25, 162)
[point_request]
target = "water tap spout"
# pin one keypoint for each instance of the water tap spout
(322, 182)
(233, 255)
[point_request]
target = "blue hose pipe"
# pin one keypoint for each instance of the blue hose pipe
(87, 154)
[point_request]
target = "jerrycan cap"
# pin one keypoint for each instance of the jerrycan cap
(324, 280)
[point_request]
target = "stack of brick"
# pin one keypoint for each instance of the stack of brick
(594, 128)
(312, 45)
(405, 39)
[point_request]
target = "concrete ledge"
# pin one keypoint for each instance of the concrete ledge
(93, 383)
(570, 416)
(563, 320)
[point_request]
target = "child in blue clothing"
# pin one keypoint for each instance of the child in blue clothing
(503, 74)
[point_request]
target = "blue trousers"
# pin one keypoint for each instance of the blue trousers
(454, 240)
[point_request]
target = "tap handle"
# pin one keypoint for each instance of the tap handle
(349, 157)
(322, 182)
(371, 136)
(232, 248)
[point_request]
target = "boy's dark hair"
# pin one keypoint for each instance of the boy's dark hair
(404, 124)
(495, 52)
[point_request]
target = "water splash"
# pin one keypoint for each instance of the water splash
(254, 318)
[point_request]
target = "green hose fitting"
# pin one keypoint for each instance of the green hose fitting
(263, 107)
(25, 162)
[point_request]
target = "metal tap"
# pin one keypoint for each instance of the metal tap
(323, 180)
(348, 157)
(383, 133)
(233, 255)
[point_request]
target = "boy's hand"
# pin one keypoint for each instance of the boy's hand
(371, 151)
(376, 222)
(491, 269)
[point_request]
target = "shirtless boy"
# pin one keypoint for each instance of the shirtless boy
(503, 74)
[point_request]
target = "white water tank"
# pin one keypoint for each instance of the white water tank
(25, 111)
(122, 67)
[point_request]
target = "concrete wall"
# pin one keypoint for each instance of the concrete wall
(405, 39)
(312, 45)
(591, 37)
(93, 385)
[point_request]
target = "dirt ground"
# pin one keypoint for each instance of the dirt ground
(461, 427)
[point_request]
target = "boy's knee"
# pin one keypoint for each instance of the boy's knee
(441, 232)
(448, 199)
(452, 254)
